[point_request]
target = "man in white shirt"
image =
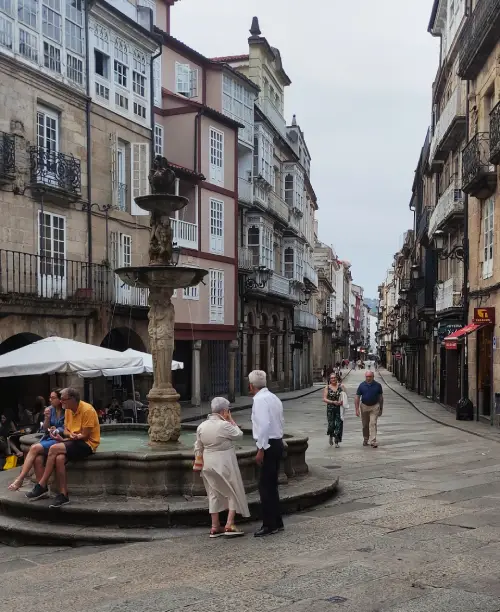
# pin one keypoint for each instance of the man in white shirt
(267, 425)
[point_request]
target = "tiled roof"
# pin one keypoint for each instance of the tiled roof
(186, 171)
(230, 58)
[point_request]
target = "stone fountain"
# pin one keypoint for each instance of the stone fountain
(161, 277)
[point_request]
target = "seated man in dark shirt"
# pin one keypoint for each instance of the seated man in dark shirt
(369, 402)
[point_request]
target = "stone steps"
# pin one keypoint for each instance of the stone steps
(117, 519)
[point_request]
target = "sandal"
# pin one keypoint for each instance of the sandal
(216, 533)
(232, 531)
(16, 485)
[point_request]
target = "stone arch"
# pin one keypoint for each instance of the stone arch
(17, 341)
(21, 389)
(123, 338)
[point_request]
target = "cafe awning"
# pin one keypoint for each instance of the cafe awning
(464, 331)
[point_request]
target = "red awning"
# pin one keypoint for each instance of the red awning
(464, 331)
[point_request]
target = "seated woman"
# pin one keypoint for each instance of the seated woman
(53, 420)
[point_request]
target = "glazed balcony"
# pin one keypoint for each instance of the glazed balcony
(495, 135)
(310, 274)
(426, 301)
(448, 295)
(450, 128)
(422, 224)
(479, 37)
(245, 191)
(7, 157)
(55, 176)
(278, 207)
(280, 285)
(305, 320)
(274, 115)
(450, 206)
(479, 175)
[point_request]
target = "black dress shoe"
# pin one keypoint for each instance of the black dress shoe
(264, 531)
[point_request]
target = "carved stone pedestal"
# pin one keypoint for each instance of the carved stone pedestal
(164, 416)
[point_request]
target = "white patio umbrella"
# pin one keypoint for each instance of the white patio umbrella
(62, 355)
(146, 368)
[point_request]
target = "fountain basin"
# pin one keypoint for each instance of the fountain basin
(167, 277)
(125, 465)
(161, 203)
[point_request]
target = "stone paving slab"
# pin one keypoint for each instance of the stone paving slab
(329, 558)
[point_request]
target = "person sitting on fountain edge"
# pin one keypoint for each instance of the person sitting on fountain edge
(81, 437)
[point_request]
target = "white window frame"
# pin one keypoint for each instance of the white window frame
(488, 236)
(139, 168)
(264, 155)
(216, 156)
(216, 299)
(238, 103)
(191, 293)
(186, 80)
(158, 139)
(216, 226)
(52, 276)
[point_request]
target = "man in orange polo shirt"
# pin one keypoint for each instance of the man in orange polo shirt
(82, 434)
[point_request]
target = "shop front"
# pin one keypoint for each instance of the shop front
(482, 326)
(449, 365)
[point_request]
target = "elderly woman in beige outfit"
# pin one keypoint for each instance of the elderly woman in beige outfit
(221, 474)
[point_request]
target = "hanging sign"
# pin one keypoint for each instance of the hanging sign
(484, 316)
(451, 345)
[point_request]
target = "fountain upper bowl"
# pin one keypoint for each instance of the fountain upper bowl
(169, 277)
(161, 203)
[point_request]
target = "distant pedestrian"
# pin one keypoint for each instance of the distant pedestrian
(332, 397)
(267, 425)
(369, 402)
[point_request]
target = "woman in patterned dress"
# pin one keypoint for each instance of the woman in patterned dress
(333, 400)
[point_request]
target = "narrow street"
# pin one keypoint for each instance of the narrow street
(414, 528)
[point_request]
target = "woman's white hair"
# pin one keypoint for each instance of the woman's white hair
(258, 378)
(219, 404)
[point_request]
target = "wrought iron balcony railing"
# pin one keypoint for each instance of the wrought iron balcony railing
(7, 156)
(479, 37)
(478, 174)
(53, 169)
(495, 135)
(24, 276)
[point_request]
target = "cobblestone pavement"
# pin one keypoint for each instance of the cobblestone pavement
(415, 528)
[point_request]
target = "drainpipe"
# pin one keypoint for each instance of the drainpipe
(465, 288)
(152, 93)
(89, 145)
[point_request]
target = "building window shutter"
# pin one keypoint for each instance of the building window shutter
(216, 226)
(157, 81)
(216, 296)
(140, 171)
(193, 83)
(216, 157)
(113, 143)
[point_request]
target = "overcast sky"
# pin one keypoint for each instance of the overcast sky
(361, 73)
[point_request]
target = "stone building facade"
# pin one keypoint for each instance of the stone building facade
(58, 175)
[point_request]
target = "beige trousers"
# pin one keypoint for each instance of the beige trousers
(369, 418)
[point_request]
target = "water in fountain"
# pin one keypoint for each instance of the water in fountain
(161, 277)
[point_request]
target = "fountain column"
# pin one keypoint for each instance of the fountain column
(164, 407)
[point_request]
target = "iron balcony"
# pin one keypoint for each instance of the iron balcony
(479, 37)
(55, 173)
(479, 175)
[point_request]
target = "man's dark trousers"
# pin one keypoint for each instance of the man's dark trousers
(268, 485)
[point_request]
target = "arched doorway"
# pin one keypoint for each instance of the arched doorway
(274, 348)
(21, 389)
(123, 338)
(263, 336)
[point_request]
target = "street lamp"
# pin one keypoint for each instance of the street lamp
(176, 252)
(456, 252)
(262, 275)
(415, 271)
(307, 297)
